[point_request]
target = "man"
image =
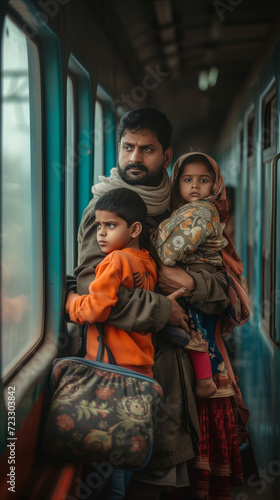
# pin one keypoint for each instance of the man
(144, 155)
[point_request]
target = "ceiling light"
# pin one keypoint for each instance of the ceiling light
(212, 77)
(203, 80)
(208, 78)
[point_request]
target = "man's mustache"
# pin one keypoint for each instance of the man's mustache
(136, 165)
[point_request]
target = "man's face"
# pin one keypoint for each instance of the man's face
(142, 159)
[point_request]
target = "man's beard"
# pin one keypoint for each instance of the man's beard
(150, 179)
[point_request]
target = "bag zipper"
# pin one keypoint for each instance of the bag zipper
(106, 366)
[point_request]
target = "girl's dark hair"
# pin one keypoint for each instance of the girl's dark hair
(125, 203)
(149, 119)
(196, 158)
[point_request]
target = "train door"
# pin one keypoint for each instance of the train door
(269, 277)
(32, 260)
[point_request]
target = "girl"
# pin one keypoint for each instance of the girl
(194, 238)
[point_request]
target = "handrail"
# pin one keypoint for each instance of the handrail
(273, 249)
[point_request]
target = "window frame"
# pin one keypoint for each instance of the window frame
(109, 139)
(250, 156)
(99, 142)
(34, 368)
(268, 152)
(81, 154)
(240, 198)
(84, 134)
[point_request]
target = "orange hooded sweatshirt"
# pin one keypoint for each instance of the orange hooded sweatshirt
(132, 269)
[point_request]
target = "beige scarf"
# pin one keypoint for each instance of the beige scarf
(157, 198)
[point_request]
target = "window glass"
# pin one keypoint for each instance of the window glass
(251, 136)
(98, 142)
(269, 119)
(266, 239)
(239, 206)
(21, 208)
(268, 152)
(241, 147)
(70, 179)
(250, 201)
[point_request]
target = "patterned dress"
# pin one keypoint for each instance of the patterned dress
(193, 235)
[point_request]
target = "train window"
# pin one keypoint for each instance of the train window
(269, 115)
(71, 236)
(239, 206)
(21, 197)
(79, 154)
(241, 149)
(251, 137)
(110, 142)
(268, 152)
(120, 112)
(250, 198)
(98, 142)
(104, 137)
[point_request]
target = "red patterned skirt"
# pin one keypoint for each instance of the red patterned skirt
(218, 466)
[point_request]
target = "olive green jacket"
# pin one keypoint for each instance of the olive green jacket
(177, 431)
(148, 311)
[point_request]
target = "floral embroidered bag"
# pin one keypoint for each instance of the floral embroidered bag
(101, 412)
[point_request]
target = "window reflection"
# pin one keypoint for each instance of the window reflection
(98, 142)
(21, 213)
(70, 180)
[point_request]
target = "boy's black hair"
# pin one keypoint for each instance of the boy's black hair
(149, 119)
(125, 203)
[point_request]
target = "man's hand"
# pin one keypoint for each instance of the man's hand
(178, 317)
(170, 279)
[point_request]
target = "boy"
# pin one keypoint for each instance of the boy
(120, 215)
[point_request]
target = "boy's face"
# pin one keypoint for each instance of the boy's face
(142, 159)
(196, 182)
(112, 232)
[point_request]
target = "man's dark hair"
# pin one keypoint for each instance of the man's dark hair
(149, 119)
(125, 203)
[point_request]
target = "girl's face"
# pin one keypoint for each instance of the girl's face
(196, 182)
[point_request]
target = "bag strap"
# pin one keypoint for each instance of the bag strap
(102, 346)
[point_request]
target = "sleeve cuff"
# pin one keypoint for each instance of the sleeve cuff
(197, 298)
(163, 314)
